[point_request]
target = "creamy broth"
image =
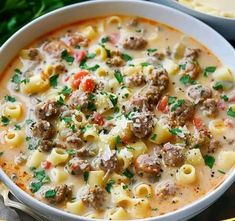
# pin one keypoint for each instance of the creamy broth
(117, 118)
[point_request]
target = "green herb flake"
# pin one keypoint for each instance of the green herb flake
(126, 57)
(186, 80)
(50, 194)
(182, 66)
(114, 99)
(1, 153)
(171, 100)
(28, 121)
(209, 160)
(91, 55)
(125, 187)
(208, 70)
(53, 80)
(151, 50)
(109, 185)
(67, 57)
(145, 64)
(25, 81)
(118, 140)
(118, 76)
(71, 152)
(128, 174)
(221, 171)
(104, 39)
(224, 97)
(35, 186)
(231, 112)
(5, 121)
(9, 98)
(153, 137)
(60, 102)
(179, 103)
(175, 131)
(154, 209)
(218, 86)
(66, 90)
(94, 68)
(86, 176)
(67, 120)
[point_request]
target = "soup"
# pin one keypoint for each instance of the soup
(117, 118)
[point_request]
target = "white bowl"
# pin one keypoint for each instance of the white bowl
(217, 44)
(223, 25)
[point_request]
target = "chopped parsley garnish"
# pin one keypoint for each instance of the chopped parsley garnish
(224, 97)
(91, 55)
(186, 79)
(208, 70)
(175, 131)
(25, 81)
(53, 80)
(16, 79)
(1, 153)
(9, 98)
(86, 176)
(118, 76)
(114, 99)
(109, 118)
(154, 209)
(28, 121)
(182, 66)
(125, 187)
(67, 57)
(128, 174)
(71, 152)
(153, 137)
(60, 102)
(5, 121)
(17, 127)
(126, 57)
(221, 171)
(94, 68)
(171, 100)
(104, 39)
(109, 185)
(83, 65)
(209, 160)
(177, 104)
(66, 90)
(218, 86)
(118, 140)
(50, 194)
(67, 120)
(130, 148)
(35, 186)
(138, 30)
(231, 112)
(151, 50)
(91, 106)
(145, 64)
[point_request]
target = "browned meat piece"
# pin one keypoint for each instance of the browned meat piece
(63, 194)
(77, 166)
(172, 155)
(148, 164)
(214, 145)
(94, 197)
(183, 112)
(116, 59)
(191, 68)
(142, 124)
(42, 129)
(74, 141)
(138, 103)
(159, 55)
(166, 189)
(198, 93)
(191, 53)
(86, 151)
(79, 98)
(54, 48)
(77, 39)
(136, 80)
(33, 54)
(197, 140)
(159, 78)
(46, 145)
(135, 43)
(108, 160)
(47, 110)
(134, 22)
(60, 68)
(152, 94)
(210, 107)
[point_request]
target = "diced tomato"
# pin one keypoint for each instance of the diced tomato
(125, 140)
(79, 56)
(67, 78)
(114, 38)
(98, 119)
(46, 165)
(162, 106)
(77, 78)
(198, 123)
(74, 167)
(88, 85)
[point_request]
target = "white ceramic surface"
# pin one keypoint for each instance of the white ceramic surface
(226, 26)
(76, 12)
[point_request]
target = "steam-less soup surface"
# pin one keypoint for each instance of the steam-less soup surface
(117, 118)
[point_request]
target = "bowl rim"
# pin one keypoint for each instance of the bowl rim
(201, 13)
(37, 204)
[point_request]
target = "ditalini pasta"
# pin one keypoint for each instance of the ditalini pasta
(117, 118)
